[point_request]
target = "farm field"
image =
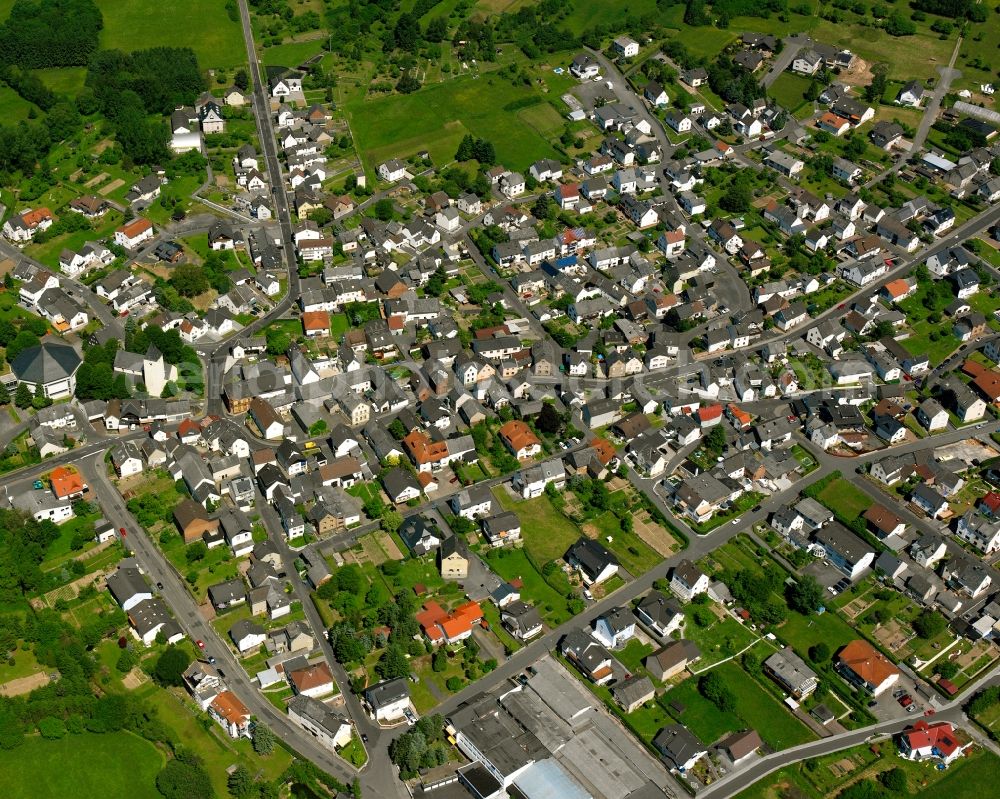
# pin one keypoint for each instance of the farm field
(135, 25)
(116, 765)
(437, 117)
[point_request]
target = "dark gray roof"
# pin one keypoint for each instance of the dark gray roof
(46, 363)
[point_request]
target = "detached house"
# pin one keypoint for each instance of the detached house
(687, 580)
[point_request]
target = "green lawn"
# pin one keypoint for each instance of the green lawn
(635, 555)
(116, 765)
(842, 497)
(137, 25)
(546, 532)
(513, 564)
(775, 723)
(293, 53)
(586, 14)
(702, 717)
(25, 664)
(723, 639)
(13, 107)
(437, 117)
(63, 80)
(634, 654)
(789, 91)
(801, 632)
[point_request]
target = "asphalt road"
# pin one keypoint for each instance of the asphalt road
(179, 599)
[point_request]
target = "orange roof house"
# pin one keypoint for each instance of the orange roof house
(862, 664)
(897, 289)
(442, 627)
(709, 415)
(312, 680)
(67, 482)
(832, 123)
(739, 416)
(520, 439)
(424, 452)
(988, 384)
(316, 323)
(604, 449)
(35, 217)
(231, 713)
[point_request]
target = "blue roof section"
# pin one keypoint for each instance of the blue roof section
(546, 779)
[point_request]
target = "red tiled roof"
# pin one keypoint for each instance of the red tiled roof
(66, 481)
(315, 320)
(867, 662)
(135, 227)
(939, 735)
(710, 412)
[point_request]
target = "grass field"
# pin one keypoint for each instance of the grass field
(844, 498)
(590, 13)
(437, 117)
(546, 533)
(13, 107)
(789, 90)
(114, 766)
(801, 632)
(292, 54)
(775, 723)
(136, 25)
(67, 80)
(722, 640)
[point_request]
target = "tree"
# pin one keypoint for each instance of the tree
(397, 429)
(407, 32)
(170, 666)
(22, 397)
(241, 80)
(263, 739)
(126, 661)
(549, 419)
(51, 728)
(184, 777)
(465, 148)
(437, 29)
(240, 783)
(929, 624)
(894, 780)
(737, 197)
(408, 83)
(714, 689)
(189, 280)
(453, 684)
(439, 662)
(543, 208)
(716, 439)
(393, 664)
(383, 209)
(805, 596)
(391, 520)
(819, 653)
